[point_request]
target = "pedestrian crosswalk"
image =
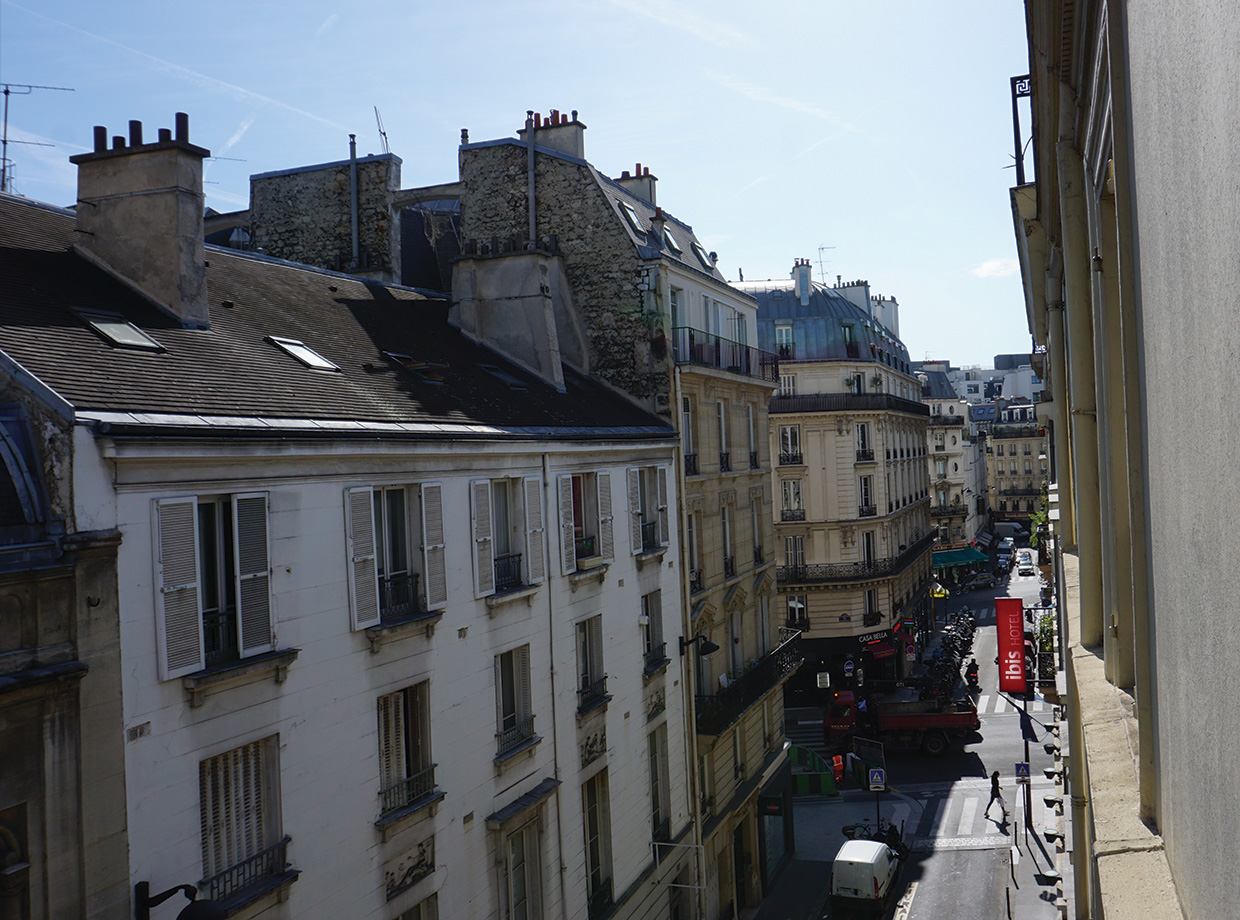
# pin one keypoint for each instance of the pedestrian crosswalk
(966, 819)
(997, 704)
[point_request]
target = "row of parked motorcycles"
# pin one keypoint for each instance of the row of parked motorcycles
(957, 645)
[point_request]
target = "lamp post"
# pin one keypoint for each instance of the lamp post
(708, 648)
(194, 910)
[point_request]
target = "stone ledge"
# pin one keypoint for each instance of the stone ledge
(524, 593)
(239, 673)
(400, 629)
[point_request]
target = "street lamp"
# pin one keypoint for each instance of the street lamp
(194, 910)
(708, 648)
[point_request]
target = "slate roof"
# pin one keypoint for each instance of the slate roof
(937, 386)
(231, 372)
(817, 327)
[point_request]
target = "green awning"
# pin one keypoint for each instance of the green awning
(950, 558)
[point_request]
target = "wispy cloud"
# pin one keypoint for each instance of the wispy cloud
(240, 132)
(678, 16)
(762, 94)
(996, 268)
(214, 84)
(328, 23)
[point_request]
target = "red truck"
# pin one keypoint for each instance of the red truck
(923, 723)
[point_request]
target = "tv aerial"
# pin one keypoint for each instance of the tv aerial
(18, 89)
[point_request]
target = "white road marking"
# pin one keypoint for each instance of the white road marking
(1000, 705)
(966, 817)
(905, 904)
(982, 703)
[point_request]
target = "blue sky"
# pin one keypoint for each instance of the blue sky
(881, 129)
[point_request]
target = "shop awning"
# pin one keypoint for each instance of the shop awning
(949, 558)
(882, 649)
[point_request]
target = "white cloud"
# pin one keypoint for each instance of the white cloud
(996, 268)
(762, 94)
(677, 16)
(328, 23)
(240, 132)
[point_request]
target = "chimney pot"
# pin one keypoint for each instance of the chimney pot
(165, 135)
(118, 142)
(646, 172)
(658, 213)
(624, 175)
(101, 138)
(135, 133)
(638, 170)
(182, 121)
(574, 114)
(537, 119)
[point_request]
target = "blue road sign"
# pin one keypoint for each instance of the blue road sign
(878, 779)
(848, 667)
(1022, 773)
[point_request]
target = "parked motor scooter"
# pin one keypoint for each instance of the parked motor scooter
(970, 675)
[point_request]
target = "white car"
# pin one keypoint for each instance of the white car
(1025, 564)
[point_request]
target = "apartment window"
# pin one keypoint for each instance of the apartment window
(660, 786)
(725, 460)
(1003, 504)
(243, 846)
(213, 605)
(865, 491)
(764, 624)
(790, 491)
(872, 615)
(864, 445)
(867, 548)
(686, 436)
(631, 218)
(797, 611)
(514, 710)
(998, 450)
(591, 679)
(753, 443)
(1012, 467)
(586, 532)
(648, 513)
(521, 873)
(790, 444)
(857, 384)
(406, 774)
(725, 530)
(1028, 468)
(706, 782)
(653, 647)
(427, 909)
(736, 644)
(755, 523)
(507, 522)
(940, 468)
(787, 385)
(794, 551)
(692, 530)
(596, 818)
(942, 497)
(783, 342)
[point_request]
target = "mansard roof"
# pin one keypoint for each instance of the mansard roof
(400, 368)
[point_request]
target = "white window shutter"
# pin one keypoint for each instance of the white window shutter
(360, 546)
(392, 766)
(596, 647)
(664, 531)
(178, 617)
(521, 661)
(434, 561)
(606, 539)
(635, 509)
(253, 574)
(484, 545)
(568, 545)
(535, 539)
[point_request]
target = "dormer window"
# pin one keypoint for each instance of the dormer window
(119, 331)
(630, 216)
(671, 241)
(303, 353)
(702, 255)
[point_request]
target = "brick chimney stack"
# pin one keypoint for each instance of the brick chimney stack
(139, 213)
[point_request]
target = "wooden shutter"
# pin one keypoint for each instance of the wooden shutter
(360, 546)
(596, 648)
(606, 539)
(392, 765)
(434, 560)
(635, 509)
(525, 697)
(253, 574)
(664, 531)
(568, 545)
(535, 540)
(654, 613)
(178, 617)
(484, 545)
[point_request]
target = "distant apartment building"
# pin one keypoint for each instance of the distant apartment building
(956, 462)
(1016, 461)
(849, 433)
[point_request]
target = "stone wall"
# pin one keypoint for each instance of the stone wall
(611, 288)
(304, 215)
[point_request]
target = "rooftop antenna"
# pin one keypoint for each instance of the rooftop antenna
(382, 133)
(20, 89)
(822, 274)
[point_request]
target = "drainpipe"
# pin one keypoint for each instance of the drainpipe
(353, 196)
(529, 177)
(555, 724)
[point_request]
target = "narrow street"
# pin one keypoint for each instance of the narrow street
(962, 859)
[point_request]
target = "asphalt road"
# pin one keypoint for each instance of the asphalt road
(963, 863)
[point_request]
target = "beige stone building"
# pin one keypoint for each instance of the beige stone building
(848, 431)
(1016, 462)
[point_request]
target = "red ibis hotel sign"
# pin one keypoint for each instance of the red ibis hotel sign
(1010, 616)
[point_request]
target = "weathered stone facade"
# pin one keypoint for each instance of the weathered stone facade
(304, 215)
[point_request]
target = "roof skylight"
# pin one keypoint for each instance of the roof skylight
(703, 256)
(635, 223)
(303, 353)
(512, 382)
(671, 241)
(118, 330)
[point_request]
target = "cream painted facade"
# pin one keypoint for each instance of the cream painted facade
(1017, 463)
(953, 456)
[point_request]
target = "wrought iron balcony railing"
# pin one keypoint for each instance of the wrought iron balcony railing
(508, 572)
(790, 458)
(729, 566)
(792, 514)
(867, 511)
(753, 460)
(253, 871)
(398, 596)
(872, 618)
(655, 656)
(405, 792)
(695, 580)
(847, 402)
(650, 536)
(706, 349)
(866, 455)
(948, 510)
(758, 557)
(516, 735)
(583, 547)
(787, 350)
(717, 711)
(947, 420)
(600, 900)
(691, 464)
(592, 694)
(822, 573)
(725, 462)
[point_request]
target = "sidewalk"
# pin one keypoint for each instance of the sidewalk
(800, 892)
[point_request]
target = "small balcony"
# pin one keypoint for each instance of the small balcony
(717, 711)
(790, 458)
(753, 460)
(691, 464)
(508, 572)
(695, 580)
(584, 547)
(866, 455)
(725, 461)
(940, 448)
(792, 514)
(600, 901)
(592, 695)
(729, 566)
(650, 536)
(787, 350)
(261, 872)
(948, 510)
(515, 735)
(800, 573)
(407, 792)
(872, 618)
(867, 511)
(398, 596)
(654, 657)
(706, 349)
(758, 557)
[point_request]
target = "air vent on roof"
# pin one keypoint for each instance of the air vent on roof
(424, 371)
(507, 378)
(119, 331)
(303, 353)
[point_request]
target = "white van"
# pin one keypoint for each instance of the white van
(862, 876)
(1011, 529)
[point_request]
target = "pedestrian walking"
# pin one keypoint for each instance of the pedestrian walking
(995, 793)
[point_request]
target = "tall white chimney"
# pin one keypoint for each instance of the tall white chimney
(802, 282)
